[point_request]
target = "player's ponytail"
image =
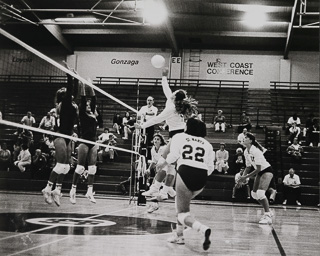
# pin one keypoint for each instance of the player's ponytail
(253, 139)
(185, 105)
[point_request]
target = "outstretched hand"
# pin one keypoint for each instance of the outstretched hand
(165, 71)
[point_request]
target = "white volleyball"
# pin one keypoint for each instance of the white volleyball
(158, 61)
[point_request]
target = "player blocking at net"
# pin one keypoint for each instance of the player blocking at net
(194, 156)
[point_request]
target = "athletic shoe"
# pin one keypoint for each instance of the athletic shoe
(151, 192)
(175, 239)
(207, 242)
(163, 195)
(266, 219)
(298, 203)
(47, 196)
(72, 196)
(171, 192)
(56, 197)
(90, 197)
(284, 202)
(153, 208)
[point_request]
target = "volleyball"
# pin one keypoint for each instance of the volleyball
(158, 61)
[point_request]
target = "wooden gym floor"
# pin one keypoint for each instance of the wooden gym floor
(112, 226)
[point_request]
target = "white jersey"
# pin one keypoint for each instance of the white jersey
(191, 151)
(155, 155)
(148, 112)
(255, 157)
(174, 120)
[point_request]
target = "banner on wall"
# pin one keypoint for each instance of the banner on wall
(118, 64)
(228, 68)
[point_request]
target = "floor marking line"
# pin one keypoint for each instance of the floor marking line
(282, 252)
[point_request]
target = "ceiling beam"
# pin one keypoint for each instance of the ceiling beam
(233, 34)
(56, 31)
(289, 34)
(109, 31)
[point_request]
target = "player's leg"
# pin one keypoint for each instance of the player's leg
(92, 169)
(82, 157)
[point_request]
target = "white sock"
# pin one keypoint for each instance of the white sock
(180, 229)
(267, 213)
(196, 226)
(157, 184)
(165, 189)
(90, 189)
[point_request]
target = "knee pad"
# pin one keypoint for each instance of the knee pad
(261, 194)
(182, 216)
(79, 169)
(254, 195)
(66, 168)
(59, 168)
(92, 169)
(170, 169)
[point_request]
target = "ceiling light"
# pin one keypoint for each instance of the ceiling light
(255, 16)
(80, 19)
(154, 12)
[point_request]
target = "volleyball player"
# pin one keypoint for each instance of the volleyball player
(157, 149)
(194, 157)
(178, 107)
(86, 152)
(263, 173)
(67, 112)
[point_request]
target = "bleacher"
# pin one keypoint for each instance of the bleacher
(18, 95)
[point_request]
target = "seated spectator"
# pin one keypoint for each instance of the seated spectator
(292, 188)
(16, 151)
(219, 122)
(294, 133)
(295, 150)
(243, 186)
(245, 121)
(105, 136)
(241, 137)
(24, 158)
(28, 119)
(117, 123)
(47, 122)
(108, 151)
(313, 135)
(293, 120)
(39, 162)
(5, 157)
(50, 143)
(238, 161)
(222, 157)
(129, 128)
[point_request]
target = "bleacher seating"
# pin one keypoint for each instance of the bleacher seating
(18, 97)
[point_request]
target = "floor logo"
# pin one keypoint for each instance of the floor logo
(81, 224)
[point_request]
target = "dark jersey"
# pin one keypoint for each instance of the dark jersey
(68, 110)
(88, 123)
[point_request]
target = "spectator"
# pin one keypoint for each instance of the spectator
(28, 119)
(243, 186)
(239, 160)
(50, 143)
(309, 124)
(24, 158)
(292, 184)
(108, 151)
(117, 122)
(105, 136)
(125, 120)
(294, 131)
(313, 135)
(129, 127)
(222, 157)
(295, 150)
(147, 112)
(245, 121)
(293, 120)
(242, 136)
(47, 122)
(16, 151)
(5, 157)
(39, 162)
(220, 122)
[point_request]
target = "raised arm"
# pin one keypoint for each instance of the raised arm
(165, 86)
